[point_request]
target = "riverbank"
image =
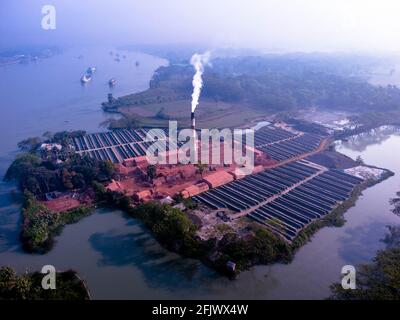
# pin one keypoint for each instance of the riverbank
(141, 268)
(27, 54)
(336, 217)
(378, 280)
(176, 232)
(89, 248)
(40, 225)
(56, 183)
(58, 168)
(364, 122)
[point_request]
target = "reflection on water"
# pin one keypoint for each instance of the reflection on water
(48, 95)
(140, 250)
(360, 241)
(120, 259)
(374, 136)
(9, 218)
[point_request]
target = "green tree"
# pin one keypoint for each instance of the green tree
(359, 160)
(22, 166)
(28, 286)
(379, 280)
(107, 168)
(67, 179)
(48, 135)
(23, 287)
(7, 274)
(32, 185)
(151, 171)
(78, 180)
(29, 144)
(201, 167)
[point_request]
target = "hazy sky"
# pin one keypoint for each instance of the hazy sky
(295, 25)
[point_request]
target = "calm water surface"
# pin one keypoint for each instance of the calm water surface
(115, 255)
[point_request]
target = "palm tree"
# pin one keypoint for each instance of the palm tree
(23, 287)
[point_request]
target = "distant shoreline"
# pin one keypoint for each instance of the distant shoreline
(26, 55)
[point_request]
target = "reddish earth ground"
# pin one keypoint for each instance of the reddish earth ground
(172, 179)
(131, 184)
(62, 204)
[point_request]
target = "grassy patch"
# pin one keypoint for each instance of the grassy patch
(40, 225)
(209, 114)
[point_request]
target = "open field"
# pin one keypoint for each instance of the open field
(209, 114)
(62, 204)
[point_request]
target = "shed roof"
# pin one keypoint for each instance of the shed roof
(218, 179)
(195, 189)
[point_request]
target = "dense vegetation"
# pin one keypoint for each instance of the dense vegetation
(274, 83)
(174, 53)
(396, 204)
(261, 247)
(169, 225)
(40, 176)
(40, 224)
(28, 286)
(177, 232)
(380, 279)
(40, 171)
(122, 123)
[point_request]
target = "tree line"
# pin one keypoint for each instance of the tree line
(274, 83)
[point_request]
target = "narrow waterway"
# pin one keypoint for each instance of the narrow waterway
(117, 257)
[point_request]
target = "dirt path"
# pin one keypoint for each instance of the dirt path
(324, 143)
(321, 169)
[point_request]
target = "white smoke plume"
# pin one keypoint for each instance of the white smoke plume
(198, 61)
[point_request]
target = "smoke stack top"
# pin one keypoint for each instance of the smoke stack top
(198, 61)
(193, 121)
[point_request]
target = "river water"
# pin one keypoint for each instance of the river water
(116, 256)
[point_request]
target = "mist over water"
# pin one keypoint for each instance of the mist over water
(115, 254)
(275, 25)
(48, 96)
